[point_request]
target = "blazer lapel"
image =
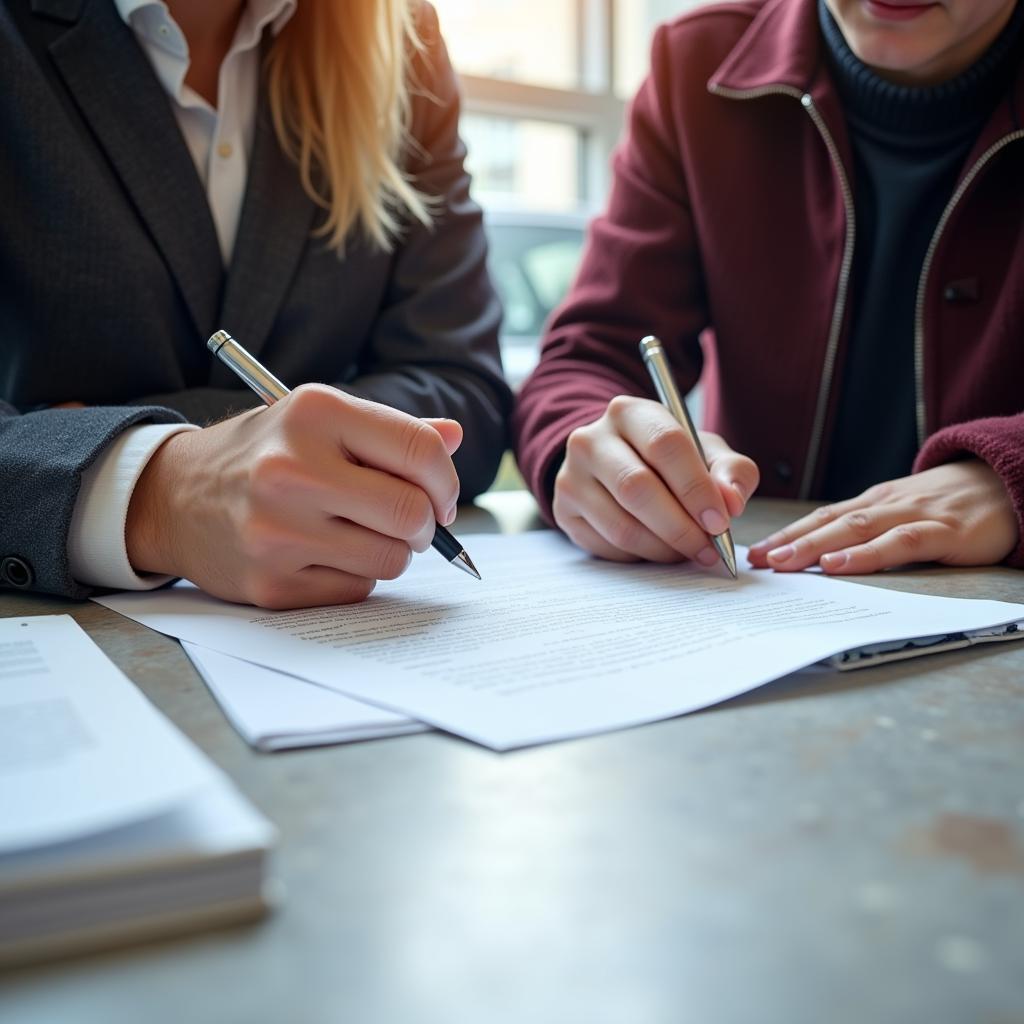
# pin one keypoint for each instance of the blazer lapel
(273, 231)
(111, 81)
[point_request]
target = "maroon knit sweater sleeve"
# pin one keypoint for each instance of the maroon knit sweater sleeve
(999, 441)
(639, 275)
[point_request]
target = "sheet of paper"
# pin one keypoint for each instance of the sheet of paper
(554, 644)
(275, 711)
(81, 750)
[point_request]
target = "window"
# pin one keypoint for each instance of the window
(500, 39)
(545, 85)
(519, 162)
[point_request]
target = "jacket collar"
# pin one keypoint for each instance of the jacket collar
(111, 81)
(128, 111)
(64, 11)
(782, 50)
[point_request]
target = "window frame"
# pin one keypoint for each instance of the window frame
(593, 109)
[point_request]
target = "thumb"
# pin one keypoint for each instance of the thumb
(450, 431)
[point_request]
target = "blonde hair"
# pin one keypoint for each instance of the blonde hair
(339, 89)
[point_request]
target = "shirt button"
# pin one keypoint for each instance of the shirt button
(164, 31)
(225, 149)
(784, 470)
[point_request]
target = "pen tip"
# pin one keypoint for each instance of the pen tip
(465, 563)
(727, 552)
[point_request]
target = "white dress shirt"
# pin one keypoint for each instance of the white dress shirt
(220, 141)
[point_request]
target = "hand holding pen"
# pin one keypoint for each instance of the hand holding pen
(635, 485)
(307, 502)
(271, 390)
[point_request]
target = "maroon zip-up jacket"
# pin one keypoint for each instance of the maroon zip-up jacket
(730, 232)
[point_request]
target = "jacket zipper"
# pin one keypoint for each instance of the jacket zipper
(839, 310)
(920, 408)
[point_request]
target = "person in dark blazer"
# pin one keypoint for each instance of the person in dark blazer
(290, 172)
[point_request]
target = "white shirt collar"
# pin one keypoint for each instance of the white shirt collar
(256, 16)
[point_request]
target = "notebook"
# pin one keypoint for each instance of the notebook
(113, 826)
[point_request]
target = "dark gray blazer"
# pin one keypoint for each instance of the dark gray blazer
(111, 276)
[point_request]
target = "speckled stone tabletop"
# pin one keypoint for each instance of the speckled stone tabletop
(830, 848)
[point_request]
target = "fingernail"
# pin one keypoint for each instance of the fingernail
(450, 517)
(707, 557)
(714, 522)
(783, 554)
(835, 560)
(739, 490)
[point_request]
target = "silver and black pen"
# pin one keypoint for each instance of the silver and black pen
(271, 390)
(657, 365)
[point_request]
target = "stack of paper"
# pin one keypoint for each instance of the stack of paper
(112, 825)
(553, 643)
(275, 711)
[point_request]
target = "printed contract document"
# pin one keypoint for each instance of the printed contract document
(554, 643)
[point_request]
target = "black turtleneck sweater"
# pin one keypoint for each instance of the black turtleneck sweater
(909, 146)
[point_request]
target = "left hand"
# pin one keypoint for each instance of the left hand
(957, 514)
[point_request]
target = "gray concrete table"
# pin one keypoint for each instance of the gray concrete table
(829, 848)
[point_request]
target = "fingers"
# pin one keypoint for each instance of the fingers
(369, 498)
(383, 438)
(408, 448)
(736, 476)
(278, 557)
(820, 518)
(334, 544)
(622, 536)
(829, 531)
(583, 535)
(860, 539)
(311, 587)
(605, 483)
(450, 431)
(665, 446)
(924, 541)
(636, 489)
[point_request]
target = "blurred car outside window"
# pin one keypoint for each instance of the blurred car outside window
(533, 260)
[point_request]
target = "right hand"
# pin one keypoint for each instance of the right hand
(307, 502)
(633, 486)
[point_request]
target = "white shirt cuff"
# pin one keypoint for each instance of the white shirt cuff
(97, 552)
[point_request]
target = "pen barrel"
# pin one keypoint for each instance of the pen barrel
(657, 365)
(257, 376)
(445, 543)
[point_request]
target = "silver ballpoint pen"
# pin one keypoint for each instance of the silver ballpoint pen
(270, 389)
(657, 365)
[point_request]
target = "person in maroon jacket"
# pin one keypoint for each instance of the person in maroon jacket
(818, 208)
